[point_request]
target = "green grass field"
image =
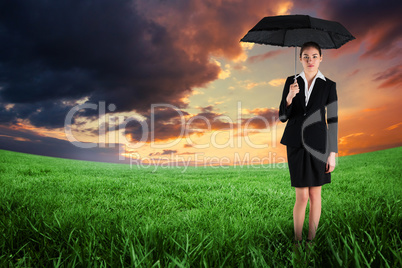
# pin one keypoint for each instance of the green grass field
(67, 213)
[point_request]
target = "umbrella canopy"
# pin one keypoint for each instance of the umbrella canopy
(295, 30)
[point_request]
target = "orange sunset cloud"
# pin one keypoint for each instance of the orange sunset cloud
(186, 54)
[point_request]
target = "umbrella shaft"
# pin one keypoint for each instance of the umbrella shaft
(295, 60)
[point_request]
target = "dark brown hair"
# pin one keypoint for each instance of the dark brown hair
(310, 44)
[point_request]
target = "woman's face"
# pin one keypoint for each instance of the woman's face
(310, 60)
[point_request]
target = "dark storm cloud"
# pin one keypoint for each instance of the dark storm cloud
(129, 53)
(378, 23)
(135, 53)
(52, 51)
(166, 123)
(7, 116)
(200, 26)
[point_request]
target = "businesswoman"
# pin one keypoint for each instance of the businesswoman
(310, 136)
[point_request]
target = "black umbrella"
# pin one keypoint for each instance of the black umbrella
(295, 30)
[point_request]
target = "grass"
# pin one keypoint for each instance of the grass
(67, 213)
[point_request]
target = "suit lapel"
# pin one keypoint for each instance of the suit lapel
(317, 90)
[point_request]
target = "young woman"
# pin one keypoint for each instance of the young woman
(310, 136)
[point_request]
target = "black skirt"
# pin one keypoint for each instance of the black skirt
(305, 169)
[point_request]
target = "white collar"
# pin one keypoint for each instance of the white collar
(318, 75)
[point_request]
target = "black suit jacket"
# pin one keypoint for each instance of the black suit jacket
(308, 126)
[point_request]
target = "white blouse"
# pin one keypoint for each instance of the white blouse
(308, 92)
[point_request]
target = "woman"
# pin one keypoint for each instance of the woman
(311, 144)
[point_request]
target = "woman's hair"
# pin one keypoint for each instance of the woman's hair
(310, 44)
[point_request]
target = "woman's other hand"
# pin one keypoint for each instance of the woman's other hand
(293, 90)
(330, 166)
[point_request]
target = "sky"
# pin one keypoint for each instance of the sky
(170, 82)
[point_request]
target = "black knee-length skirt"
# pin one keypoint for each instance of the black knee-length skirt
(305, 169)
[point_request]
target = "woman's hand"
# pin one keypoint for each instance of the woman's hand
(330, 166)
(293, 90)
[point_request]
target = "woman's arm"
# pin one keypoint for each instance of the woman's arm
(332, 121)
(285, 107)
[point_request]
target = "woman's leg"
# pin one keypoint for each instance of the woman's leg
(315, 211)
(299, 210)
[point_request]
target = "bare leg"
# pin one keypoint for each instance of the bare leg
(299, 210)
(315, 211)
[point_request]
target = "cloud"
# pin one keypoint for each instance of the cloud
(165, 152)
(262, 118)
(248, 84)
(357, 143)
(163, 124)
(277, 82)
(352, 74)
(375, 24)
(246, 45)
(223, 74)
(346, 139)
(58, 51)
(198, 26)
(394, 126)
(27, 141)
(270, 54)
(371, 129)
(169, 124)
(130, 53)
(390, 77)
(186, 153)
(16, 138)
